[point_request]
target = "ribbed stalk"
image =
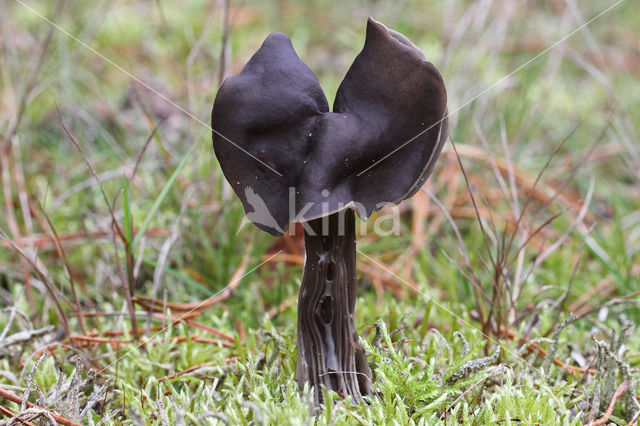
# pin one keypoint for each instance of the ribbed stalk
(329, 351)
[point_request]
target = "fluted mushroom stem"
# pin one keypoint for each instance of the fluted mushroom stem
(329, 351)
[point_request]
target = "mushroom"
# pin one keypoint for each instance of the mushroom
(289, 159)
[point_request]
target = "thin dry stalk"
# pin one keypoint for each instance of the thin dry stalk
(23, 197)
(7, 162)
(117, 231)
(560, 303)
(144, 148)
(572, 172)
(629, 298)
(67, 269)
(503, 259)
(33, 76)
(6, 157)
(94, 173)
(224, 52)
(128, 297)
(473, 202)
(193, 54)
(557, 244)
(476, 286)
(51, 288)
(485, 322)
(546, 165)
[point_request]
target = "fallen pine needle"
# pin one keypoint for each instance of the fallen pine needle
(11, 414)
(210, 330)
(623, 387)
(195, 367)
(114, 341)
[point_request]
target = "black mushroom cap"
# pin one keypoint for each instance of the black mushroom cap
(289, 159)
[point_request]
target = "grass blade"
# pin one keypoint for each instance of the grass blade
(162, 196)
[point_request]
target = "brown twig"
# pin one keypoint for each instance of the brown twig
(157, 327)
(179, 339)
(11, 414)
(623, 387)
(15, 398)
(210, 330)
(157, 316)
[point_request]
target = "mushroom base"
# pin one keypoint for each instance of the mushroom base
(329, 351)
